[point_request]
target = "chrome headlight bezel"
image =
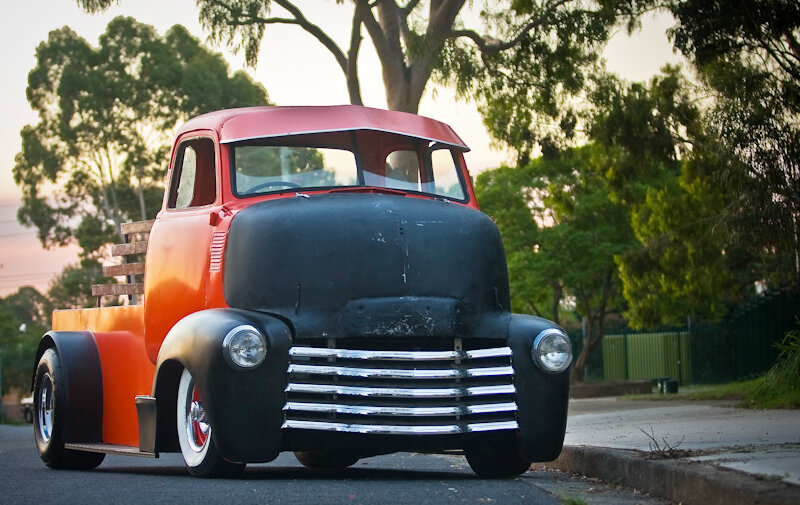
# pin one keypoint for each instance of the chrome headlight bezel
(244, 347)
(552, 351)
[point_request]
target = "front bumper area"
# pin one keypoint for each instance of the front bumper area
(363, 395)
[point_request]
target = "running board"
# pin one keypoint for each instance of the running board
(123, 450)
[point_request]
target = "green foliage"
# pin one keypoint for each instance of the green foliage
(29, 307)
(73, 287)
(106, 117)
(562, 233)
(522, 60)
(502, 194)
(658, 161)
(747, 53)
(96, 5)
(24, 318)
(528, 92)
(217, 17)
(780, 387)
(681, 267)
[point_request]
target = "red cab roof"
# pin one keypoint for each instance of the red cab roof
(233, 125)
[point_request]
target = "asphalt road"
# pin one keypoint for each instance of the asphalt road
(395, 479)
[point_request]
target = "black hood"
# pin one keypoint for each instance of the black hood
(348, 265)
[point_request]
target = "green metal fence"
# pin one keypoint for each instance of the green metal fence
(647, 355)
(743, 345)
(740, 347)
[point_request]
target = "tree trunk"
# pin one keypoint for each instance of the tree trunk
(558, 293)
(594, 335)
(400, 96)
(404, 76)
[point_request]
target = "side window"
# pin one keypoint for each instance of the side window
(194, 182)
(445, 175)
(402, 170)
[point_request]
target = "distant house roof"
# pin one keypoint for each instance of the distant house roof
(235, 125)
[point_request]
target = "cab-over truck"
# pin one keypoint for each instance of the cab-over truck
(318, 280)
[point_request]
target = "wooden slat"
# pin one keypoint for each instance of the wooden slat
(130, 248)
(137, 227)
(124, 269)
(117, 289)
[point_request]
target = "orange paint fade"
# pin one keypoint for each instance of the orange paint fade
(127, 372)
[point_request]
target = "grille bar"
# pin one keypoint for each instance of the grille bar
(316, 352)
(485, 408)
(400, 373)
(452, 392)
(384, 429)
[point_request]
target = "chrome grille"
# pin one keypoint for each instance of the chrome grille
(400, 392)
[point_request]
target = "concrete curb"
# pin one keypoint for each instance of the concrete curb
(677, 480)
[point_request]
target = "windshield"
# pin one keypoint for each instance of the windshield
(402, 163)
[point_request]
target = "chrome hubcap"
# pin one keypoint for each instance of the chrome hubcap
(45, 411)
(197, 427)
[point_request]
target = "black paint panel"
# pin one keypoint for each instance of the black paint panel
(83, 374)
(348, 265)
(244, 406)
(542, 398)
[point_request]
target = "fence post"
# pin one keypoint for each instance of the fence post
(625, 352)
(680, 361)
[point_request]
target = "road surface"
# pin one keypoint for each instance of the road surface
(405, 478)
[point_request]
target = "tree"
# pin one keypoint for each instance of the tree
(545, 40)
(747, 53)
(563, 232)
(73, 286)
(98, 155)
(659, 161)
(106, 117)
(24, 317)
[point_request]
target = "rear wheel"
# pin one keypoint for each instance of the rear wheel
(325, 459)
(49, 413)
(195, 435)
(497, 458)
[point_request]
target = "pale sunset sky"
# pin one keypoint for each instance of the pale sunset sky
(293, 67)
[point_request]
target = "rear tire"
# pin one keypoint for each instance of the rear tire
(49, 412)
(324, 459)
(497, 458)
(196, 437)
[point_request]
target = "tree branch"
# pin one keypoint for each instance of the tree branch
(390, 53)
(794, 45)
(403, 14)
(376, 33)
(316, 32)
(410, 6)
(490, 45)
(351, 74)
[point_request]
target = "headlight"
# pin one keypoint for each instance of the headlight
(552, 351)
(245, 346)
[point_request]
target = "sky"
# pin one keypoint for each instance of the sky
(316, 80)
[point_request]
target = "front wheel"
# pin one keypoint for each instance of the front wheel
(49, 413)
(497, 458)
(195, 436)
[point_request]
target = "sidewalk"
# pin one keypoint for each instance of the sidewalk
(686, 452)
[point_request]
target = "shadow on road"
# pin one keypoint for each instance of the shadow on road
(266, 473)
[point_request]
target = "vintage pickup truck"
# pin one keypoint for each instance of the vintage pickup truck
(318, 280)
